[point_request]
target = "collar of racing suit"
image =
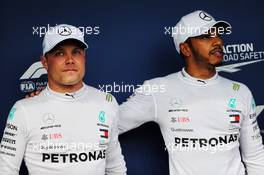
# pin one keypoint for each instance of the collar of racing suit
(200, 82)
(66, 96)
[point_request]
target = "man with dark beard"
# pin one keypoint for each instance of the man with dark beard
(208, 122)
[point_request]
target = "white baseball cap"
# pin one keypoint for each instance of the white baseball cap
(60, 33)
(195, 24)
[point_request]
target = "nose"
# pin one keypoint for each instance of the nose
(217, 41)
(69, 59)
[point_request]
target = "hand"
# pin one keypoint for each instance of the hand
(32, 94)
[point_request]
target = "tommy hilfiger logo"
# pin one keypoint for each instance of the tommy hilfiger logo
(104, 133)
(234, 118)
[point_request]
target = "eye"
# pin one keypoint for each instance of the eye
(205, 36)
(59, 53)
(77, 52)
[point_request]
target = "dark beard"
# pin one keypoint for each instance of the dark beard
(201, 59)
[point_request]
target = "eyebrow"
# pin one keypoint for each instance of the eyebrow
(61, 49)
(58, 49)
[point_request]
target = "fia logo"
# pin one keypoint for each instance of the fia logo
(27, 86)
(34, 71)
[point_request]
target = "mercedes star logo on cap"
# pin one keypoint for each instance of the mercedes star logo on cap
(64, 31)
(205, 16)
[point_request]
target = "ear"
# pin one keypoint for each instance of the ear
(85, 57)
(185, 49)
(44, 62)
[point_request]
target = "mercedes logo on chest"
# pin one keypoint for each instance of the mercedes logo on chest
(48, 118)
